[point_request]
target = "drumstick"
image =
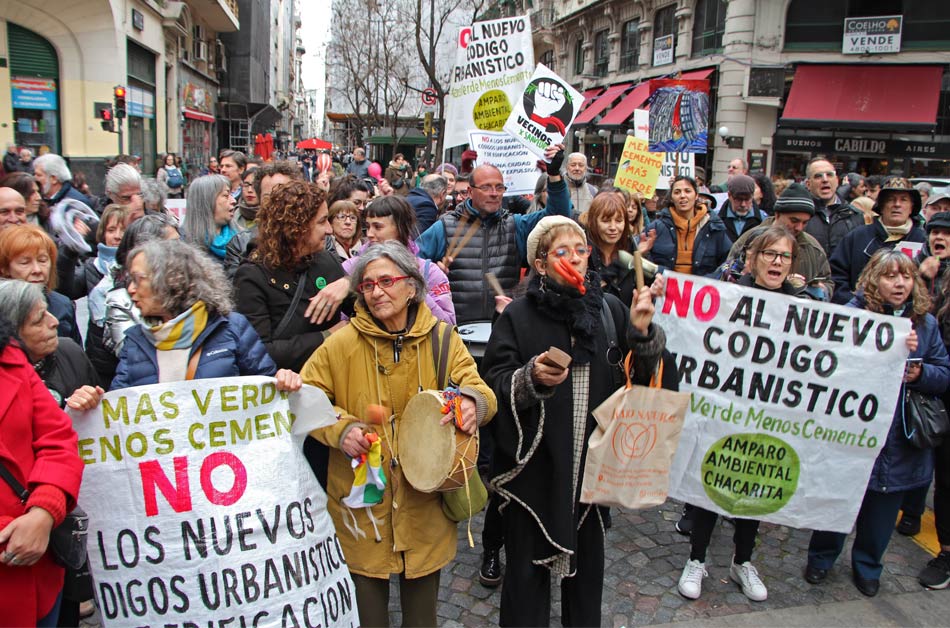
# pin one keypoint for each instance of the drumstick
(463, 220)
(495, 284)
(638, 268)
(472, 229)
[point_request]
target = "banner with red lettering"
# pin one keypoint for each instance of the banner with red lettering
(203, 510)
(791, 400)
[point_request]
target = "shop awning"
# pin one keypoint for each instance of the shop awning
(893, 97)
(603, 101)
(620, 114)
(194, 114)
(409, 139)
(590, 95)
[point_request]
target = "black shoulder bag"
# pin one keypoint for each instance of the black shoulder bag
(67, 541)
(925, 419)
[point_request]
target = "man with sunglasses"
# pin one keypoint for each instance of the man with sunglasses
(833, 217)
(479, 236)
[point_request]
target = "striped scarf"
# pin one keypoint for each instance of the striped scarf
(181, 331)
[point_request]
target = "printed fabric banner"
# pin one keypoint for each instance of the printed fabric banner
(679, 116)
(492, 65)
(791, 400)
(203, 510)
(544, 113)
(638, 169)
(518, 165)
(674, 164)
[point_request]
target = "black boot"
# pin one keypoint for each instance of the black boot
(490, 573)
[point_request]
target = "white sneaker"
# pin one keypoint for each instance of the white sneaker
(691, 582)
(746, 576)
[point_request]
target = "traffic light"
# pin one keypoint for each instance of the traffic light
(119, 92)
(104, 113)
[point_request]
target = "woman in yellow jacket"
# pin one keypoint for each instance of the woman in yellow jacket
(384, 357)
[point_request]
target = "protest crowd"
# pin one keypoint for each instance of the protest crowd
(336, 272)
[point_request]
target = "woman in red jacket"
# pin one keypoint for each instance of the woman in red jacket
(39, 448)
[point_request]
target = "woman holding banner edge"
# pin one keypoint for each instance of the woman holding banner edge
(889, 284)
(771, 258)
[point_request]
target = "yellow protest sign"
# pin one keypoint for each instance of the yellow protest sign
(639, 169)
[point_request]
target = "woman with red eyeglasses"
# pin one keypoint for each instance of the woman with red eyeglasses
(382, 359)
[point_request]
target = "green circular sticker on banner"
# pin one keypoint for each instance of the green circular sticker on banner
(492, 110)
(749, 475)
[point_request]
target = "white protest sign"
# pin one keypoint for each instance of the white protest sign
(786, 394)
(518, 165)
(545, 111)
(492, 64)
(203, 510)
(910, 249)
(687, 161)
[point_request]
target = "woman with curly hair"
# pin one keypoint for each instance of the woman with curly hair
(889, 284)
(189, 329)
(287, 271)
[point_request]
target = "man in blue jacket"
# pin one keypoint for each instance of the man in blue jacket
(480, 237)
(896, 203)
(426, 199)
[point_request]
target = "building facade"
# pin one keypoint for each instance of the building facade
(785, 80)
(63, 60)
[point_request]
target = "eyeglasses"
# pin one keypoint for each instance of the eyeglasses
(383, 282)
(770, 256)
(462, 192)
(565, 251)
(488, 189)
(347, 217)
(137, 279)
(824, 175)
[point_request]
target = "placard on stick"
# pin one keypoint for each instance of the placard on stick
(544, 113)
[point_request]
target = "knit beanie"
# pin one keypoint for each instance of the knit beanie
(795, 198)
(545, 225)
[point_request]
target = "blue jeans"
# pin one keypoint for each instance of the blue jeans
(52, 618)
(872, 533)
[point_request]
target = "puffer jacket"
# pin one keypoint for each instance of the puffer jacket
(229, 348)
(900, 466)
(356, 367)
(710, 248)
(855, 250)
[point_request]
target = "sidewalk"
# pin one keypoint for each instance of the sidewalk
(644, 559)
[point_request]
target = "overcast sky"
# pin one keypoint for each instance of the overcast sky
(315, 33)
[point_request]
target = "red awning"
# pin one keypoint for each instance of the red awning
(864, 96)
(194, 114)
(605, 100)
(589, 96)
(620, 115)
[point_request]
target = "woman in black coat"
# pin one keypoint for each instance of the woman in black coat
(544, 421)
(277, 287)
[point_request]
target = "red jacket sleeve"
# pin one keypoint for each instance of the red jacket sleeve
(55, 444)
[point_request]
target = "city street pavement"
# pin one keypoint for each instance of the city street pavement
(644, 559)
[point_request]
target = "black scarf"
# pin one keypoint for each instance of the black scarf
(581, 313)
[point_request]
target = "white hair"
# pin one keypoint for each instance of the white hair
(121, 175)
(581, 155)
(54, 166)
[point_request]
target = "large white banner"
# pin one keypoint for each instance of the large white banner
(791, 400)
(493, 63)
(518, 165)
(203, 510)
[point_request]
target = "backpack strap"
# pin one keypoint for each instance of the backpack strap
(441, 339)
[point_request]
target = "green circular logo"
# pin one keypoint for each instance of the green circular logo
(321, 283)
(492, 110)
(750, 474)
